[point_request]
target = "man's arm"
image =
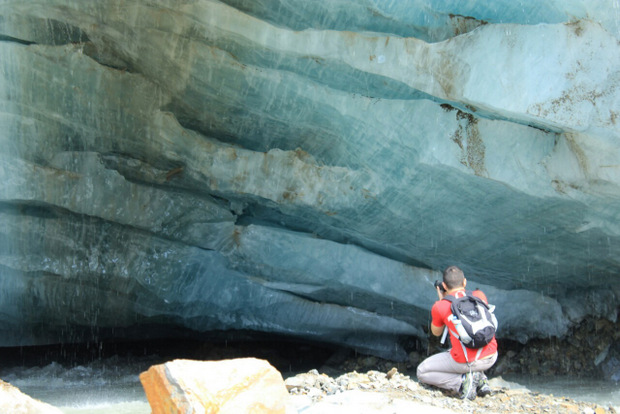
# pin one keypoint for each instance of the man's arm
(437, 330)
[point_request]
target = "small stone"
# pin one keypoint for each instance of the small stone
(569, 408)
(412, 386)
(294, 382)
(391, 373)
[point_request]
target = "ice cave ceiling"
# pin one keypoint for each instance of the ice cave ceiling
(305, 167)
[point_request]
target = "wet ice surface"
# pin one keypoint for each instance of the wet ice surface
(107, 386)
(605, 393)
(112, 385)
(339, 147)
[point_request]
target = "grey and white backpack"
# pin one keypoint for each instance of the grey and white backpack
(473, 319)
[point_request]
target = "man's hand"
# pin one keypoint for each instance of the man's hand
(440, 293)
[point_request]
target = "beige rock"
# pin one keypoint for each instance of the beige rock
(13, 401)
(235, 386)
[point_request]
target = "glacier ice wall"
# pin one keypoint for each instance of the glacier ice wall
(305, 168)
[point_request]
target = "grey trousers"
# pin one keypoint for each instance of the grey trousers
(444, 372)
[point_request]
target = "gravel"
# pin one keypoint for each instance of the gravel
(377, 392)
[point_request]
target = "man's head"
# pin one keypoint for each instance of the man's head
(453, 278)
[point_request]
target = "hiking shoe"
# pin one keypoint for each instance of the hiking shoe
(483, 388)
(468, 386)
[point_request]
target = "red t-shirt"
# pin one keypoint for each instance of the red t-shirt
(441, 311)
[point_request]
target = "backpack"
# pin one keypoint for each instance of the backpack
(473, 319)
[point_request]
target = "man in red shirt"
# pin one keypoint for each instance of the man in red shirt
(453, 370)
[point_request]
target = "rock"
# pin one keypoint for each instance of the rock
(294, 382)
(244, 385)
(12, 400)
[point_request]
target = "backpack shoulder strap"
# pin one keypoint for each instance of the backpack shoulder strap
(449, 298)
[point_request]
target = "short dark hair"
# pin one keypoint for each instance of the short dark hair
(453, 277)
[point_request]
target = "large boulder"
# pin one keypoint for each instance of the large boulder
(235, 386)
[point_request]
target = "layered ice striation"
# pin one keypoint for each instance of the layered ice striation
(305, 168)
